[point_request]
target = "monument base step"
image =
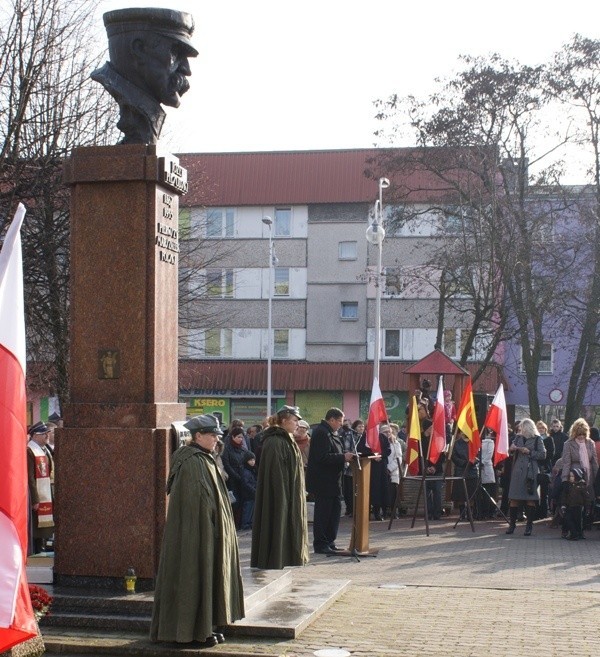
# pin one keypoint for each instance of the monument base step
(290, 612)
(40, 568)
(102, 623)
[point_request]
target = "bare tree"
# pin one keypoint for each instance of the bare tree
(477, 142)
(47, 106)
(574, 79)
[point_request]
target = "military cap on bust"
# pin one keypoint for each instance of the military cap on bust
(175, 24)
(204, 424)
(38, 427)
(292, 410)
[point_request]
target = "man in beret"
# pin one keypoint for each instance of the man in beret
(199, 584)
(149, 52)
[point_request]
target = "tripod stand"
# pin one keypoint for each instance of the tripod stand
(480, 487)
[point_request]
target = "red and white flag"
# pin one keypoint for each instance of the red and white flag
(497, 421)
(17, 622)
(377, 414)
(437, 444)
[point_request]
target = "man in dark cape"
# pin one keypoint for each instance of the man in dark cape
(199, 585)
(279, 528)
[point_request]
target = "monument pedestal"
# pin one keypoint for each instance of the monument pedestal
(112, 456)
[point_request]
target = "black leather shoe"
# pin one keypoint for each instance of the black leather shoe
(209, 642)
(325, 550)
(219, 637)
(335, 548)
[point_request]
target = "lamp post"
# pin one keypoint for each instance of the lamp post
(375, 235)
(269, 222)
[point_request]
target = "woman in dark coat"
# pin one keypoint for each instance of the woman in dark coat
(279, 529)
(234, 457)
(527, 450)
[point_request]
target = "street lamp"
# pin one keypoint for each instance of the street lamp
(375, 235)
(269, 222)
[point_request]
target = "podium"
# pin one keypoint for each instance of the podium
(361, 479)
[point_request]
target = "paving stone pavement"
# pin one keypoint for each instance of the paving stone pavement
(453, 593)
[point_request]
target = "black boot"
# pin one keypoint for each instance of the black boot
(512, 515)
(529, 514)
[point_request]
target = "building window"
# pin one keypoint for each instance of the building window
(281, 343)
(392, 343)
(220, 222)
(185, 223)
(283, 222)
(347, 250)
(219, 283)
(349, 310)
(217, 343)
(282, 282)
(546, 360)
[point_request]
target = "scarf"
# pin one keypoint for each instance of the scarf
(584, 457)
(45, 517)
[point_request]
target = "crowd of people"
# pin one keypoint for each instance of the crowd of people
(260, 478)
(538, 453)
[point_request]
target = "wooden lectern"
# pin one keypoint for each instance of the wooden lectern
(361, 479)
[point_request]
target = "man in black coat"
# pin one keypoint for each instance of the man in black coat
(326, 460)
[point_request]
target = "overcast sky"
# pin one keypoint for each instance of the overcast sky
(287, 75)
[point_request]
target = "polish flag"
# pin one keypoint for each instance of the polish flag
(377, 414)
(437, 444)
(497, 420)
(17, 622)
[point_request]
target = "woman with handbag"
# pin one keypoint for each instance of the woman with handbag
(580, 452)
(527, 450)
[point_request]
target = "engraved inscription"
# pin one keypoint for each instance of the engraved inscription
(167, 236)
(173, 175)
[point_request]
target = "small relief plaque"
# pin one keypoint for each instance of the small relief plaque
(109, 364)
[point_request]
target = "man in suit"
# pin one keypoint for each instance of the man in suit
(326, 461)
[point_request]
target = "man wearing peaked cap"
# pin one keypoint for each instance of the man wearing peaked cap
(39, 471)
(149, 50)
(204, 424)
(38, 428)
(197, 589)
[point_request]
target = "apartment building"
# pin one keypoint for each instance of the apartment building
(320, 204)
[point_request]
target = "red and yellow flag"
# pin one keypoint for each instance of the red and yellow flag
(467, 421)
(413, 449)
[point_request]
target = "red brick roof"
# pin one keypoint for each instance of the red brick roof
(436, 362)
(301, 177)
(293, 376)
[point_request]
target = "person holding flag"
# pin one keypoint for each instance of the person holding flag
(17, 621)
(463, 467)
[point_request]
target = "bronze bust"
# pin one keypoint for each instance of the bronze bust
(149, 51)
